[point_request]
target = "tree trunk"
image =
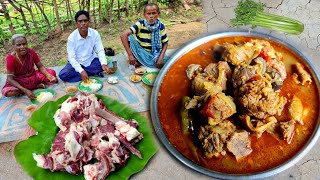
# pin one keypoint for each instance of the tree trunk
(119, 16)
(127, 8)
(110, 11)
(81, 4)
(27, 7)
(99, 10)
(35, 24)
(70, 16)
(43, 14)
(26, 24)
(94, 14)
(7, 17)
(57, 16)
(88, 6)
(107, 12)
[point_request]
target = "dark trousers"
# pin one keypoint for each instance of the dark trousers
(69, 74)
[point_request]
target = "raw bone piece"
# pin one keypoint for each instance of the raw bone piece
(108, 115)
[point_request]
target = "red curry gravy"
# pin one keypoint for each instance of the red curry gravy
(268, 151)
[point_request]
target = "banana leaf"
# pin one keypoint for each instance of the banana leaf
(42, 121)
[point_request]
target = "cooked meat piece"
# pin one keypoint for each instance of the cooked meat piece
(275, 80)
(220, 72)
(213, 138)
(239, 144)
(219, 108)
(212, 69)
(265, 46)
(240, 54)
(201, 85)
(260, 65)
(296, 109)
(276, 70)
(193, 70)
(258, 99)
(218, 51)
(304, 76)
(278, 66)
(287, 129)
(241, 75)
(213, 80)
(224, 74)
(259, 126)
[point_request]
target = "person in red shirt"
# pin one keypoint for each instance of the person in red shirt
(22, 77)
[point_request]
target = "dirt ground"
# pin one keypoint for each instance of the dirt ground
(182, 26)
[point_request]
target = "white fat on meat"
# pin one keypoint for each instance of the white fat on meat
(94, 122)
(63, 113)
(39, 159)
(58, 118)
(58, 159)
(111, 145)
(100, 169)
(103, 122)
(126, 130)
(68, 106)
(71, 143)
(90, 171)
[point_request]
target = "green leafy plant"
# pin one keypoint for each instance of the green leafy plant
(249, 12)
(42, 121)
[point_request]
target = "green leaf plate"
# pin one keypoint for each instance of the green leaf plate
(87, 89)
(149, 78)
(42, 121)
(38, 92)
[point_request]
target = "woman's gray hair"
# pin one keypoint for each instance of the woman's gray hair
(16, 36)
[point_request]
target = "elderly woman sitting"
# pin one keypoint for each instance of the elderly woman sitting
(22, 77)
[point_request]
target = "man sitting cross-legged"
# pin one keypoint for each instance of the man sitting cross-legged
(146, 41)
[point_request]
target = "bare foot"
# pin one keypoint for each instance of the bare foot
(14, 93)
(41, 86)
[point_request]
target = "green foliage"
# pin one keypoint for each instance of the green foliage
(18, 23)
(249, 12)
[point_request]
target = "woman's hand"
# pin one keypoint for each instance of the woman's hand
(30, 94)
(52, 78)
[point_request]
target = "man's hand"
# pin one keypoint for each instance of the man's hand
(159, 62)
(105, 68)
(84, 76)
(132, 60)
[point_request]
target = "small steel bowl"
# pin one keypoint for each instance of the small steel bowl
(171, 148)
